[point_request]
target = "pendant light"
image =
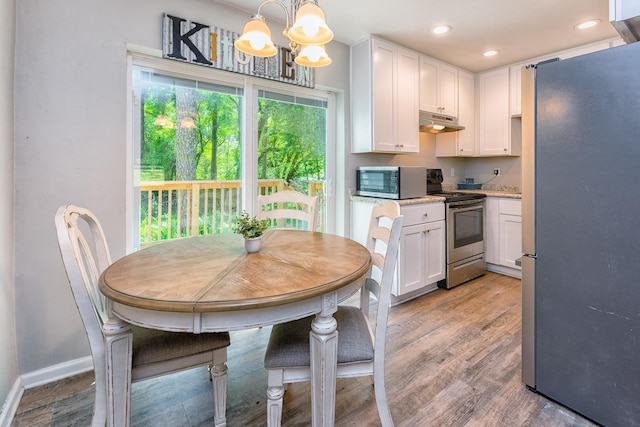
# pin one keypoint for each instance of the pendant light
(307, 35)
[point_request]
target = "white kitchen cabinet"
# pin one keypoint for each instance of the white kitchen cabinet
(384, 98)
(438, 87)
(492, 238)
(421, 255)
(515, 89)
(515, 70)
(504, 234)
(621, 11)
(510, 240)
(407, 98)
(494, 124)
(461, 143)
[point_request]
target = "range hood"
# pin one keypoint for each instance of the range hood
(438, 123)
(625, 18)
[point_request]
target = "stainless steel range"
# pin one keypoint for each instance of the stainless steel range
(465, 218)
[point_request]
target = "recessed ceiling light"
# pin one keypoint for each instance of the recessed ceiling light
(490, 53)
(441, 29)
(587, 24)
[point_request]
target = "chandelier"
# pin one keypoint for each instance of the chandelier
(307, 34)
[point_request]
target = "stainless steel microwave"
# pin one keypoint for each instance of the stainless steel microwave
(391, 182)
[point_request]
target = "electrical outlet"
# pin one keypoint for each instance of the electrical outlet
(496, 172)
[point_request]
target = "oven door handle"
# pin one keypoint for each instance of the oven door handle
(462, 206)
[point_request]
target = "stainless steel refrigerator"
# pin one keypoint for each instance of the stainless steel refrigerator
(581, 233)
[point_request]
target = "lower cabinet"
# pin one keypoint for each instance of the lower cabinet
(504, 235)
(421, 256)
(510, 240)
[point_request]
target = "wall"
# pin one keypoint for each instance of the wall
(426, 157)
(481, 169)
(71, 144)
(8, 355)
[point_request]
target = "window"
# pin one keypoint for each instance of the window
(292, 133)
(191, 156)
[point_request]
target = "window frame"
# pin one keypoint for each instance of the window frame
(250, 86)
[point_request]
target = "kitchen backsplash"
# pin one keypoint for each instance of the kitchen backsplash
(487, 187)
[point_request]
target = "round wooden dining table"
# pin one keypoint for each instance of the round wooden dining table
(211, 284)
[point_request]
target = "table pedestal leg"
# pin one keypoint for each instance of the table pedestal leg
(324, 357)
(118, 350)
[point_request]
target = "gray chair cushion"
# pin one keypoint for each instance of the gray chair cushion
(152, 346)
(289, 342)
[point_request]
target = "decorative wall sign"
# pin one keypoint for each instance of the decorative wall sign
(201, 44)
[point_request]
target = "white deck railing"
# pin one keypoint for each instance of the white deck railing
(174, 209)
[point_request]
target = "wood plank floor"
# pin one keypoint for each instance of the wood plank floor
(453, 359)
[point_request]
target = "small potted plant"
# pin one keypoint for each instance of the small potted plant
(251, 228)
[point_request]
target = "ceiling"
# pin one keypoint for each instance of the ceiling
(517, 29)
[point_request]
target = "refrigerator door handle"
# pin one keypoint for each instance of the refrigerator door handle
(528, 159)
(528, 320)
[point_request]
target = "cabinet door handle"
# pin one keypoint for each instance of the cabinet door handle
(426, 214)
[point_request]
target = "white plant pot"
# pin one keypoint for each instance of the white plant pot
(252, 245)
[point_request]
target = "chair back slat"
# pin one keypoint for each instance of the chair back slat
(85, 254)
(383, 241)
(287, 209)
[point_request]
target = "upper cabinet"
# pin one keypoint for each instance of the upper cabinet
(461, 143)
(623, 16)
(438, 87)
(516, 70)
(515, 89)
(384, 98)
(391, 84)
(494, 118)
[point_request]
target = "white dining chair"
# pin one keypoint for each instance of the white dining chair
(289, 209)
(361, 343)
(85, 254)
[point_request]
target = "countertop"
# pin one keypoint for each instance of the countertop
(495, 193)
(404, 202)
(438, 199)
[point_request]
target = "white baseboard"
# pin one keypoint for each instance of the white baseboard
(37, 378)
(508, 271)
(10, 406)
(57, 372)
(395, 300)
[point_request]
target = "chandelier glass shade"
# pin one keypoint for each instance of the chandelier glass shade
(313, 56)
(256, 38)
(307, 35)
(310, 27)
